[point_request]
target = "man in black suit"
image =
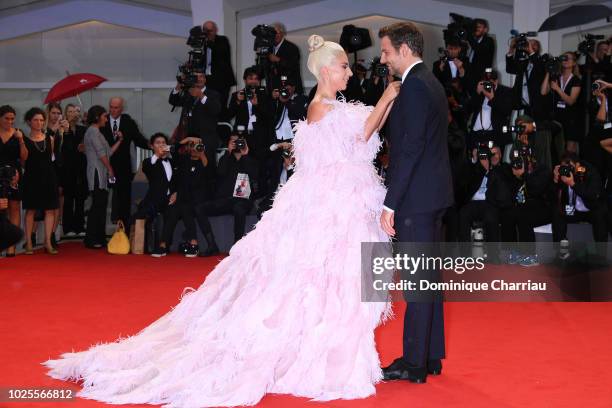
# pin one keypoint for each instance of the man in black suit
(482, 51)
(419, 187)
(530, 72)
(285, 59)
(123, 161)
(453, 66)
(201, 107)
(491, 107)
(219, 72)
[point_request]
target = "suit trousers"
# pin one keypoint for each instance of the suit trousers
(96, 219)
(423, 337)
(121, 205)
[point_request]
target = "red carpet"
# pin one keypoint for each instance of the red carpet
(498, 354)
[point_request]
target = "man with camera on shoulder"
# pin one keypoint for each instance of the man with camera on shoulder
(482, 50)
(488, 193)
(237, 185)
(491, 107)
(579, 198)
(531, 190)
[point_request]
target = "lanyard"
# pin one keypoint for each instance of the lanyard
(564, 85)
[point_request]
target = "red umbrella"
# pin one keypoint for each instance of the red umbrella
(73, 85)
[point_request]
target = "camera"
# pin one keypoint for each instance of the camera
(484, 150)
(518, 129)
(251, 91)
(240, 143)
(443, 54)
(380, 70)
(264, 39)
(487, 85)
(566, 170)
(553, 65)
(199, 147)
(588, 45)
(522, 44)
(187, 75)
(284, 92)
(521, 157)
(286, 153)
(459, 28)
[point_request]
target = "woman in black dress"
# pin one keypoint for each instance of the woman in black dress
(56, 127)
(13, 152)
(566, 90)
(40, 190)
(73, 174)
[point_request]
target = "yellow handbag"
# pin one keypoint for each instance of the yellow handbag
(119, 244)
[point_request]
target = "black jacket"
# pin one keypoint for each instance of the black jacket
(228, 170)
(160, 188)
(201, 119)
(484, 51)
(445, 75)
(589, 189)
(262, 137)
(192, 182)
(121, 160)
(539, 105)
(419, 176)
(222, 74)
(539, 184)
(289, 65)
(501, 108)
(498, 191)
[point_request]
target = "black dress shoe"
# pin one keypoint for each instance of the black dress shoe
(434, 367)
(400, 370)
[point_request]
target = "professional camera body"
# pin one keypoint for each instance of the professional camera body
(264, 39)
(567, 169)
(378, 69)
(460, 28)
(443, 55)
(484, 150)
(196, 61)
(521, 157)
(521, 45)
(588, 45)
(241, 141)
(251, 91)
(283, 91)
(554, 65)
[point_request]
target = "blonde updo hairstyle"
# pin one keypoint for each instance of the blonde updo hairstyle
(322, 54)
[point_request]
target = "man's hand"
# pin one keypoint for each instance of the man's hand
(489, 95)
(556, 173)
(172, 199)
(254, 100)
(81, 147)
(568, 180)
(387, 221)
(240, 97)
(273, 58)
(479, 88)
(3, 203)
(191, 139)
(554, 85)
(458, 63)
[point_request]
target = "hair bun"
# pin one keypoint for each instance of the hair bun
(315, 42)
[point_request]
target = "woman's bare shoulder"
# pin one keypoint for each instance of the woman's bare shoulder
(317, 110)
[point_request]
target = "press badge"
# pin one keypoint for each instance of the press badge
(561, 105)
(569, 209)
(608, 125)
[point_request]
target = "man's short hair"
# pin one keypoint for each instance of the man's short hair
(250, 71)
(569, 156)
(481, 21)
(157, 136)
(281, 27)
(404, 33)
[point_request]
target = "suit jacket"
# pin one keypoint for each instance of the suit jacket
(160, 188)
(445, 76)
(590, 189)
(419, 177)
(289, 64)
(204, 117)
(262, 137)
(539, 106)
(501, 107)
(484, 51)
(121, 160)
(222, 74)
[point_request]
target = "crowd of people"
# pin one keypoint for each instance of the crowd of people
(552, 164)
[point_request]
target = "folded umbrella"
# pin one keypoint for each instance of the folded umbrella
(73, 85)
(575, 16)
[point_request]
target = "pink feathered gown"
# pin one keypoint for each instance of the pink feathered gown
(283, 312)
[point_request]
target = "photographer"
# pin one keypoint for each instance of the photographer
(218, 70)
(201, 107)
(491, 107)
(531, 188)
(283, 170)
(487, 192)
(13, 153)
(452, 65)
(236, 187)
(289, 108)
(10, 234)
(529, 135)
(285, 60)
(596, 147)
(379, 79)
(565, 87)
(529, 74)
(482, 51)
(579, 198)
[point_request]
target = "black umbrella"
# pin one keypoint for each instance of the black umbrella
(574, 16)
